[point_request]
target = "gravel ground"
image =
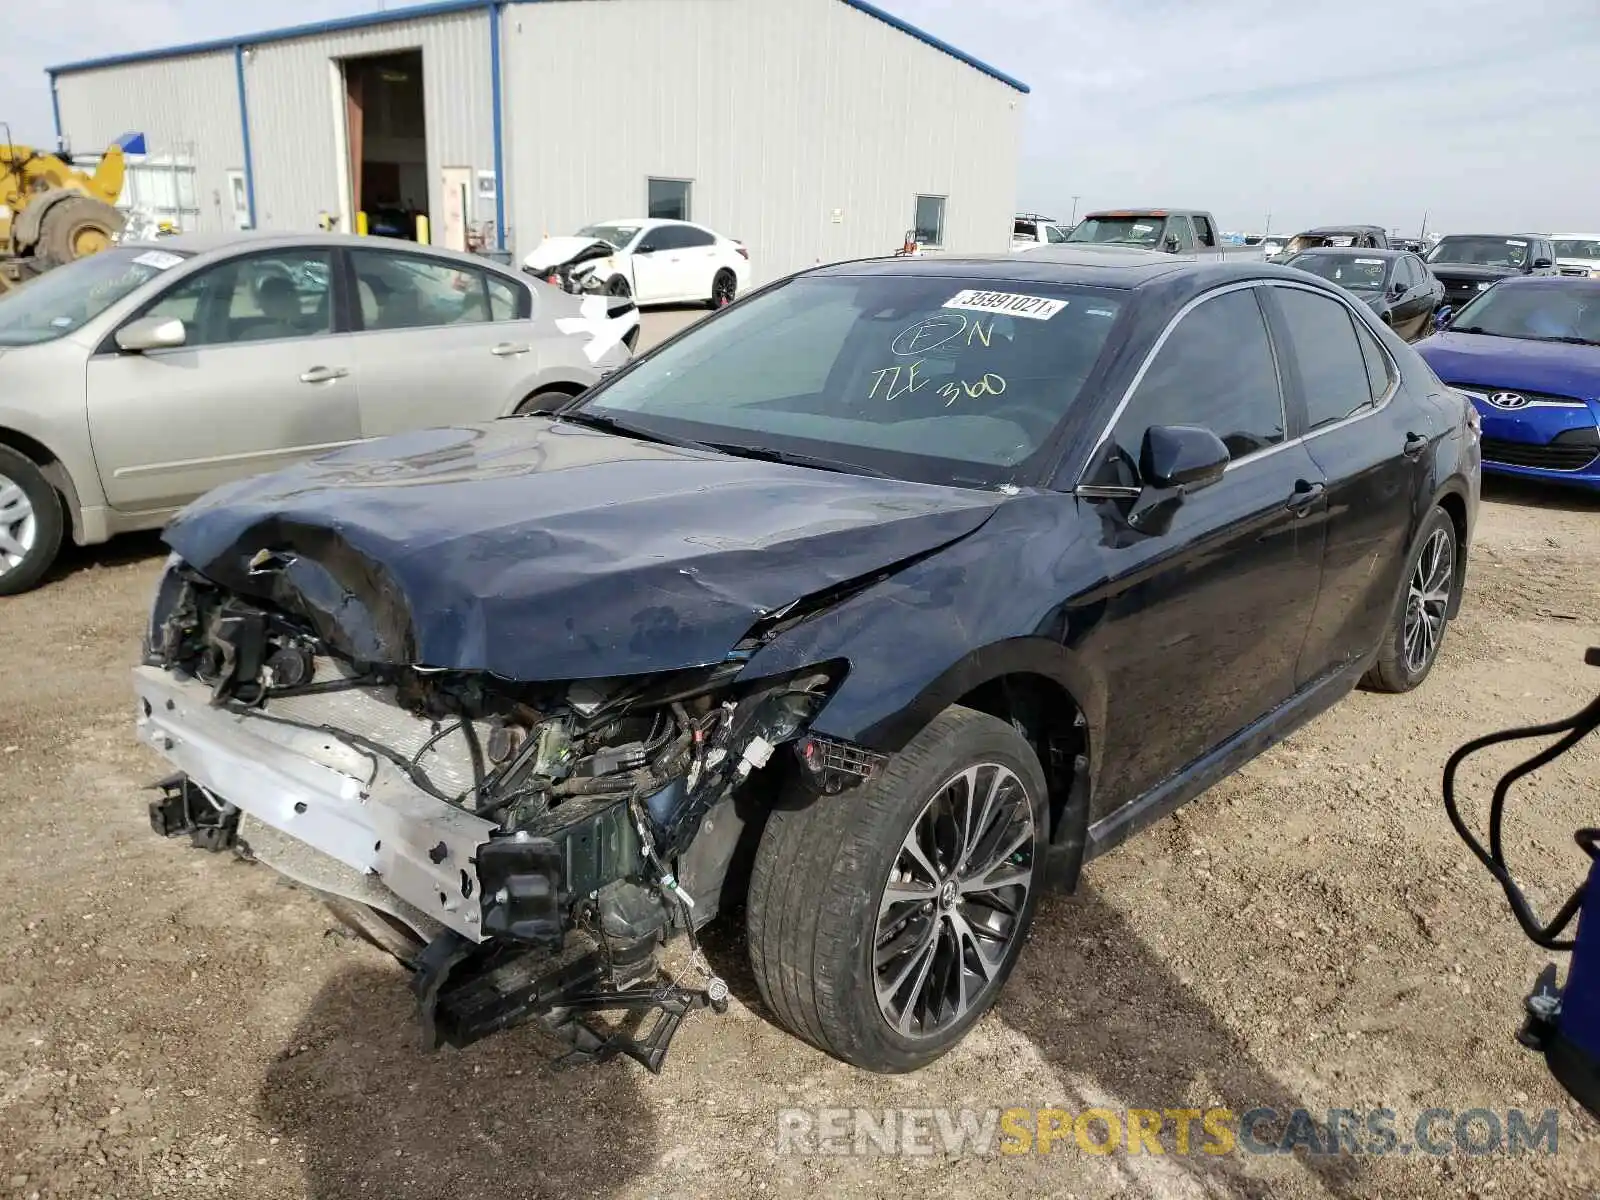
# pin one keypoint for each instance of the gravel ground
(1307, 934)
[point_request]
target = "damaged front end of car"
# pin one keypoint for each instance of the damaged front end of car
(528, 848)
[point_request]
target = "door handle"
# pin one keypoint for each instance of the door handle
(506, 349)
(323, 374)
(1415, 445)
(1307, 495)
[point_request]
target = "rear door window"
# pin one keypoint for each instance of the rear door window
(1333, 370)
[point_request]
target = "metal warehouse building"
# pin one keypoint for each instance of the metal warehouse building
(812, 130)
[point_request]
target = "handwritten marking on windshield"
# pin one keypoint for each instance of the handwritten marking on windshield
(988, 385)
(901, 380)
(928, 334)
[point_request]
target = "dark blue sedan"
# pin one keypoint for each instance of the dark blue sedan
(1527, 352)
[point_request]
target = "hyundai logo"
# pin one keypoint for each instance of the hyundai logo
(1509, 400)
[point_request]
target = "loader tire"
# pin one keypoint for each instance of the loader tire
(75, 228)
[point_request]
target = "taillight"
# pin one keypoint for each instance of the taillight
(743, 253)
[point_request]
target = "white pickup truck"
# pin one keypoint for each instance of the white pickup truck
(1182, 231)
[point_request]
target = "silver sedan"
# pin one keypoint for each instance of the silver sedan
(135, 380)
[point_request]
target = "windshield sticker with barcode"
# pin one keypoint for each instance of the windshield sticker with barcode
(1370, 262)
(1514, 242)
(159, 259)
(1012, 304)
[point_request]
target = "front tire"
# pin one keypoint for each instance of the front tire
(618, 286)
(31, 523)
(883, 921)
(1416, 631)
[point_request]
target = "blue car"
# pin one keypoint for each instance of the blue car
(1527, 352)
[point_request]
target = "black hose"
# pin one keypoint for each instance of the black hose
(1574, 729)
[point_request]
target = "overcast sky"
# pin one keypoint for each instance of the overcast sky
(1485, 113)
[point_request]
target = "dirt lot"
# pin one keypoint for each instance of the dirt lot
(1308, 934)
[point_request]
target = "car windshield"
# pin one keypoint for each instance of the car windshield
(70, 296)
(912, 376)
(1543, 313)
(1577, 248)
(618, 235)
(1357, 274)
(1481, 251)
(1129, 231)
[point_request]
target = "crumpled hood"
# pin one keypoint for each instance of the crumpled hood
(1556, 368)
(540, 550)
(553, 252)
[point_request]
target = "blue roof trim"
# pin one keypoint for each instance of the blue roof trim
(872, 10)
(446, 7)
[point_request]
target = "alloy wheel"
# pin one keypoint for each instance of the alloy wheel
(722, 291)
(1428, 599)
(953, 903)
(18, 525)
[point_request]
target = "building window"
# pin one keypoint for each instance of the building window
(929, 223)
(669, 199)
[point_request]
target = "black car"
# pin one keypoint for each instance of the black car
(878, 603)
(1469, 263)
(1397, 286)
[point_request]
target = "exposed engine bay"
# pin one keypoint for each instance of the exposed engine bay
(527, 848)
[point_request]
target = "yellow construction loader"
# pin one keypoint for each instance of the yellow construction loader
(51, 212)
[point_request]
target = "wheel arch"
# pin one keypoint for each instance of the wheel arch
(1031, 681)
(54, 471)
(1452, 497)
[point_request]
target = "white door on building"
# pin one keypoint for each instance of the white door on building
(458, 183)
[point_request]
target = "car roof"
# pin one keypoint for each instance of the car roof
(1359, 251)
(240, 240)
(1576, 283)
(1447, 236)
(1577, 237)
(652, 223)
(1118, 267)
(1343, 229)
(1154, 210)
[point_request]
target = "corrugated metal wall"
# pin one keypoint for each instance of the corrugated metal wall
(780, 111)
(294, 139)
(186, 105)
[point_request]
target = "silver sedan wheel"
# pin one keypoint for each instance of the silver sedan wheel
(953, 902)
(1428, 600)
(18, 526)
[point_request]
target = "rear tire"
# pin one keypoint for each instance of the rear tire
(723, 288)
(31, 523)
(75, 228)
(1433, 572)
(889, 984)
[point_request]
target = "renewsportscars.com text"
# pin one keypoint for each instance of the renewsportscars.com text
(954, 1132)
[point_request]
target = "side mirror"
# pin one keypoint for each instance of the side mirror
(1182, 456)
(1542, 264)
(1441, 319)
(646, 248)
(151, 333)
(1398, 289)
(1171, 243)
